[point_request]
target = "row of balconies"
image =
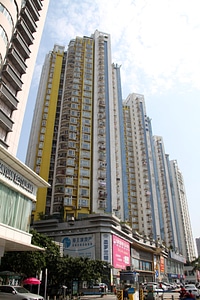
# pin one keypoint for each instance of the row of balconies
(17, 54)
(33, 9)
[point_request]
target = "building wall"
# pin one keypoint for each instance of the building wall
(21, 38)
(18, 189)
(21, 25)
(198, 246)
(104, 237)
(187, 243)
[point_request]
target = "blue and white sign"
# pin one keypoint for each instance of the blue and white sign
(79, 246)
(106, 242)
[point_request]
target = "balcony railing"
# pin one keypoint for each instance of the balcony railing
(7, 96)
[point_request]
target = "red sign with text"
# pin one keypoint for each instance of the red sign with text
(121, 253)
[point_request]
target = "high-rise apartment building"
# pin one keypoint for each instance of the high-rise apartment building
(21, 25)
(185, 236)
(97, 151)
(80, 163)
(156, 195)
(198, 246)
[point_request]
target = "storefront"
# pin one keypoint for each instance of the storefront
(18, 189)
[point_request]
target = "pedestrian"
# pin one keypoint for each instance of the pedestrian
(125, 294)
(189, 295)
(182, 292)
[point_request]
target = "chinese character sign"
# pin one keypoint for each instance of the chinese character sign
(79, 246)
(121, 253)
(106, 240)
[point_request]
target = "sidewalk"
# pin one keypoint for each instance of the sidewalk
(108, 296)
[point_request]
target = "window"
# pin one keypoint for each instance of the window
(84, 182)
(87, 100)
(69, 180)
(86, 114)
(74, 105)
(42, 137)
(72, 136)
(6, 13)
(11, 202)
(86, 129)
(86, 121)
(75, 92)
(84, 172)
(84, 192)
(83, 202)
(74, 113)
(85, 154)
(87, 87)
(72, 128)
(71, 145)
(85, 163)
(86, 107)
(67, 201)
(85, 146)
(86, 137)
(39, 152)
(68, 191)
(71, 152)
(73, 120)
(70, 161)
(4, 36)
(88, 94)
(70, 171)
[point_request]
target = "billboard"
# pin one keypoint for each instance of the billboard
(106, 250)
(79, 245)
(121, 253)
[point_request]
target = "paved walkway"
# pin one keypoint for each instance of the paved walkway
(105, 297)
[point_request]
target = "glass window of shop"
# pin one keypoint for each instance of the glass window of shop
(15, 209)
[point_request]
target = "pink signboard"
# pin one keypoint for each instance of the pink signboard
(121, 253)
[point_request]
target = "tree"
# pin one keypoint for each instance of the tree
(60, 270)
(31, 263)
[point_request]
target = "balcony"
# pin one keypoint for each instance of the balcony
(25, 32)
(5, 122)
(12, 77)
(33, 10)
(38, 4)
(17, 61)
(21, 45)
(7, 96)
(29, 20)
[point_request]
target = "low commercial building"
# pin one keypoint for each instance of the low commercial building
(18, 189)
(104, 237)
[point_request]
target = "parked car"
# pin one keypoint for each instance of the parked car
(8, 292)
(191, 287)
(154, 288)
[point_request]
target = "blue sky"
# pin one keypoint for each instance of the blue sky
(157, 45)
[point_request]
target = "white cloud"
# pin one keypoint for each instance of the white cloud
(155, 40)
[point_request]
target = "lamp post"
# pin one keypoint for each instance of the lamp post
(45, 286)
